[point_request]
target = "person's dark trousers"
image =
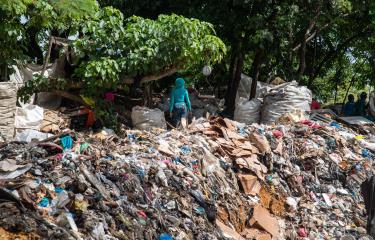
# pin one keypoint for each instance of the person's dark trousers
(368, 194)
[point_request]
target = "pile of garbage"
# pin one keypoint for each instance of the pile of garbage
(217, 180)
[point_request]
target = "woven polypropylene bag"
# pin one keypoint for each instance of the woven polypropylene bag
(248, 111)
(8, 99)
(284, 99)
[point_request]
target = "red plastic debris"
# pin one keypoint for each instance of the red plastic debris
(302, 232)
(277, 134)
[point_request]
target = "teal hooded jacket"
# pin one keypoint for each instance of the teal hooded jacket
(179, 95)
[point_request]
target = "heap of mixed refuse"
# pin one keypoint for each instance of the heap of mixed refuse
(217, 180)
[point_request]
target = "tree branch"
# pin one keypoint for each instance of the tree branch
(154, 77)
(70, 96)
(302, 53)
(333, 53)
(311, 37)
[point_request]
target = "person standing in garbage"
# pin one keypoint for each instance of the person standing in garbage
(360, 107)
(180, 103)
(349, 108)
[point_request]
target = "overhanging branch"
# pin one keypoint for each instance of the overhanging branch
(154, 77)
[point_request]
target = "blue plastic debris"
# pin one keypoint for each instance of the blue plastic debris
(358, 167)
(185, 150)
(269, 178)
(108, 158)
(67, 142)
(44, 202)
(199, 210)
(366, 153)
(58, 189)
(335, 125)
(165, 236)
(176, 160)
(131, 137)
(141, 173)
(224, 165)
(242, 131)
(261, 131)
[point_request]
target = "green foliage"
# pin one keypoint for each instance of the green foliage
(76, 10)
(105, 112)
(136, 46)
(19, 18)
(342, 36)
(113, 46)
(11, 30)
(41, 84)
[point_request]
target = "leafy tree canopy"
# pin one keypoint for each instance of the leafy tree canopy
(22, 20)
(324, 44)
(114, 50)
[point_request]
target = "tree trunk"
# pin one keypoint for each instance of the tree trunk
(302, 52)
(70, 96)
(234, 81)
(148, 95)
(3, 73)
(336, 90)
(302, 60)
(33, 48)
(232, 67)
(337, 79)
(255, 70)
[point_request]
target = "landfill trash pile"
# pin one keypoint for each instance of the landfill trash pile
(217, 180)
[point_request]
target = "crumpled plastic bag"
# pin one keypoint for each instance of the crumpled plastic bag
(145, 118)
(29, 134)
(248, 111)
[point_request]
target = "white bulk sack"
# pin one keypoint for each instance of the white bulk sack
(8, 99)
(248, 111)
(144, 118)
(283, 99)
(244, 89)
(29, 117)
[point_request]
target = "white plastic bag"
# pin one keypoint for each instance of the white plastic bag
(144, 118)
(368, 145)
(248, 111)
(29, 117)
(30, 134)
